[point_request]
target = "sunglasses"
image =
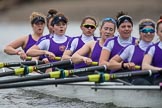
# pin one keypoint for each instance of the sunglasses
(147, 30)
(89, 26)
(109, 19)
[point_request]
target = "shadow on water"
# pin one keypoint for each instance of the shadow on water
(38, 99)
(33, 98)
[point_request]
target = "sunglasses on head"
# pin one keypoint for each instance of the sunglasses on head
(147, 30)
(146, 24)
(109, 19)
(89, 26)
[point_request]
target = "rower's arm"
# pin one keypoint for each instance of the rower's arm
(79, 56)
(104, 58)
(146, 64)
(66, 55)
(115, 63)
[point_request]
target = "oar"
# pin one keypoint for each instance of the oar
(90, 78)
(28, 58)
(94, 63)
(15, 64)
(137, 67)
(26, 70)
(55, 74)
(56, 58)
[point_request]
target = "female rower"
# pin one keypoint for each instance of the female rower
(93, 48)
(38, 23)
(152, 59)
(114, 45)
(51, 14)
(134, 54)
(56, 45)
(88, 27)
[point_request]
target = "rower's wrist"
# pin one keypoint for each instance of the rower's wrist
(123, 66)
(18, 52)
(46, 53)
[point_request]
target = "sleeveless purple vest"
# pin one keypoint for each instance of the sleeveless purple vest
(30, 43)
(57, 48)
(117, 47)
(96, 52)
(156, 60)
(138, 56)
(43, 38)
(80, 44)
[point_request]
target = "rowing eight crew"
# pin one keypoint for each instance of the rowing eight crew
(116, 52)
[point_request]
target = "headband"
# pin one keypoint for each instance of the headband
(142, 25)
(122, 19)
(109, 19)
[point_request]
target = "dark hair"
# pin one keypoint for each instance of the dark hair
(121, 13)
(51, 14)
(159, 22)
(122, 17)
(88, 17)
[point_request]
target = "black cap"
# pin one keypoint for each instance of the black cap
(38, 19)
(57, 19)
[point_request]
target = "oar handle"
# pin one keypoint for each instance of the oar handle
(15, 64)
(94, 63)
(57, 58)
(28, 58)
(137, 67)
(1, 64)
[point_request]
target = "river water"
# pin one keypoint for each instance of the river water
(20, 98)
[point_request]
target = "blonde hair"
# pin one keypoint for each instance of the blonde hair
(37, 14)
(146, 20)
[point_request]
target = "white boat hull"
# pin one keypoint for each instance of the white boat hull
(123, 96)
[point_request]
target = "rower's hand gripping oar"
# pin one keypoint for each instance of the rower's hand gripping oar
(29, 69)
(90, 78)
(55, 74)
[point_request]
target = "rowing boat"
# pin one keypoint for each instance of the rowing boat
(82, 88)
(107, 92)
